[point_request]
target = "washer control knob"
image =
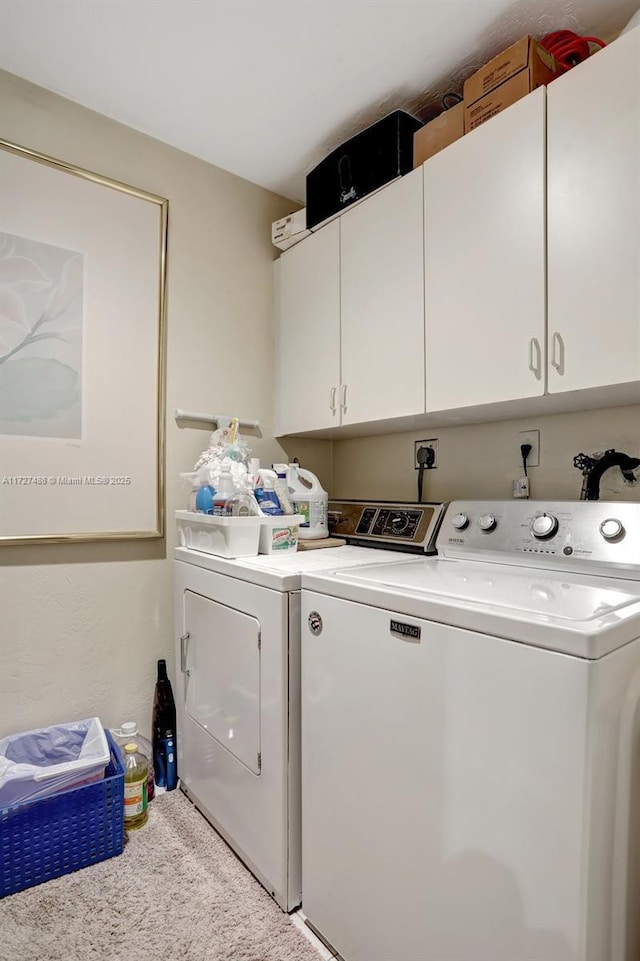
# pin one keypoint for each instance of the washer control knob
(487, 523)
(460, 521)
(543, 526)
(611, 528)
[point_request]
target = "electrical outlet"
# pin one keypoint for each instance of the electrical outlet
(529, 437)
(521, 487)
(417, 444)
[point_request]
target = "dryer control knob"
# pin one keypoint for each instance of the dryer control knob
(611, 528)
(543, 526)
(460, 521)
(487, 523)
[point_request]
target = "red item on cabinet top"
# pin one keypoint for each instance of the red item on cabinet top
(568, 48)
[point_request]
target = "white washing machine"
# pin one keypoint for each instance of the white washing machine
(237, 630)
(471, 742)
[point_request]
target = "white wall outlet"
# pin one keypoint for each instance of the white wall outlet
(433, 444)
(529, 437)
(521, 487)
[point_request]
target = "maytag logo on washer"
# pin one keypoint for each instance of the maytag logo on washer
(408, 631)
(315, 623)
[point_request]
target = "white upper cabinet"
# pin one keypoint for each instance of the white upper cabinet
(350, 316)
(505, 269)
(382, 304)
(594, 220)
(485, 262)
(307, 319)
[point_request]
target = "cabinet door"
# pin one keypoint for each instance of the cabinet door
(382, 300)
(594, 220)
(485, 262)
(308, 334)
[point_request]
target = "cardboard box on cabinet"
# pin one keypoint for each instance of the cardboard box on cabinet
(361, 165)
(438, 134)
(289, 230)
(514, 73)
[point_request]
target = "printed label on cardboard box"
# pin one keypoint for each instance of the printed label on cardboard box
(497, 101)
(524, 55)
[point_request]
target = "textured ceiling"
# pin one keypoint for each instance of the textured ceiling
(265, 88)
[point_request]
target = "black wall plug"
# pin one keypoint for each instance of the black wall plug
(426, 457)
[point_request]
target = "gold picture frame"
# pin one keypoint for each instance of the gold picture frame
(83, 265)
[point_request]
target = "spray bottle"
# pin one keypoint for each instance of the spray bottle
(281, 488)
(265, 492)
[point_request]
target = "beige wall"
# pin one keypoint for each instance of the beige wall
(480, 460)
(81, 626)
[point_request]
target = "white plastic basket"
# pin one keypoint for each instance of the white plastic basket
(224, 536)
(279, 533)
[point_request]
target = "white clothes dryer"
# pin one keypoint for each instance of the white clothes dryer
(471, 742)
(237, 635)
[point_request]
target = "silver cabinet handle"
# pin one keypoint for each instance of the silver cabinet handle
(535, 358)
(183, 654)
(332, 399)
(557, 352)
(343, 396)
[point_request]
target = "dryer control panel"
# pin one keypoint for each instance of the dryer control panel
(394, 525)
(599, 537)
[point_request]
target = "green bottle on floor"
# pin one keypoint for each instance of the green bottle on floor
(135, 787)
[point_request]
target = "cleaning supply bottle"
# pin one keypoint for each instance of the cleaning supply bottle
(193, 480)
(281, 489)
(309, 499)
(204, 499)
(254, 467)
(204, 494)
(135, 787)
(164, 733)
(265, 492)
(242, 504)
(127, 733)
(226, 488)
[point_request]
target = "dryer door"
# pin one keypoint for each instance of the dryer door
(222, 658)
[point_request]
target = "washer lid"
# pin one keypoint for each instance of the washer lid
(575, 614)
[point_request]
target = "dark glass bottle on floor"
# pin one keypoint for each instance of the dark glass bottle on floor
(164, 732)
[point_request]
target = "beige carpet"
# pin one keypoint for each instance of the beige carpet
(177, 893)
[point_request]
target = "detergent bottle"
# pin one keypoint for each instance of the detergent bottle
(309, 499)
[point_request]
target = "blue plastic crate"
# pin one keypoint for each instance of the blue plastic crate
(45, 839)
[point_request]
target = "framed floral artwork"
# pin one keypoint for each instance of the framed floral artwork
(82, 304)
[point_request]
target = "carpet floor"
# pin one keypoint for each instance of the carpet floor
(177, 893)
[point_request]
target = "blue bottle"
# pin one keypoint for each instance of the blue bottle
(204, 499)
(165, 761)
